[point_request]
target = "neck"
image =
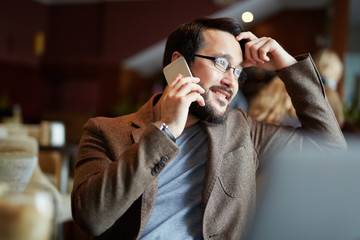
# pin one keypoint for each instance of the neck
(191, 120)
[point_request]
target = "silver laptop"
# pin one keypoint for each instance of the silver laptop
(310, 197)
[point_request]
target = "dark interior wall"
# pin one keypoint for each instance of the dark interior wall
(75, 32)
(131, 27)
(296, 30)
(22, 84)
(85, 44)
(19, 22)
(90, 41)
(113, 31)
(21, 80)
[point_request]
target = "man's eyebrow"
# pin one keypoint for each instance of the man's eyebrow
(229, 57)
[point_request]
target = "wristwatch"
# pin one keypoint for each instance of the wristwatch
(163, 127)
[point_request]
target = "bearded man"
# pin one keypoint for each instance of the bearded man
(184, 166)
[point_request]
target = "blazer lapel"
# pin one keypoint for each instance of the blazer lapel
(136, 133)
(216, 136)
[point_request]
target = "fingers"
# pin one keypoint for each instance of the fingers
(185, 90)
(246, 35)
(195, 97)
(183, 86)
(257, 50)
(175, 102)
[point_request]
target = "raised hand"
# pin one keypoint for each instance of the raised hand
(173, 106)
(265, 53)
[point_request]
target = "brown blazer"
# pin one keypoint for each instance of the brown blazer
(114, 189)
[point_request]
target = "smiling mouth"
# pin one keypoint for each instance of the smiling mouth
(222, 93)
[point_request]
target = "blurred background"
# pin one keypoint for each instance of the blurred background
(63, 61)
(68, 60)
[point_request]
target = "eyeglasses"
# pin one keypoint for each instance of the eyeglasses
(224, 66)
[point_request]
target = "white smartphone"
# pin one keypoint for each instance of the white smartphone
(174, 68)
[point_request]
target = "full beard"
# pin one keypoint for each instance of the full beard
(207, 112)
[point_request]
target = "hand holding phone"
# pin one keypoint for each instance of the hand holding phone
(174, 68)
(172, 111)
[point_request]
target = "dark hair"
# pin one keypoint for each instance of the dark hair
(188, 38)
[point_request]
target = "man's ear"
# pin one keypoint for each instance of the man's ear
(175, 56)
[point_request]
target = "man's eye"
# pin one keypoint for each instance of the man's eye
(223, 62)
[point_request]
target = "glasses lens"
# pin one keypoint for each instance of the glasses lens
(222, 64)
(237, 73)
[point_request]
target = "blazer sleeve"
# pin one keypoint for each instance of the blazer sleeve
(112, 171)
(319, 127)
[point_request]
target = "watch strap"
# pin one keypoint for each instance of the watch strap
(163, 127)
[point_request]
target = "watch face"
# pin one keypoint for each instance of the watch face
(163, 126)
(159, 124)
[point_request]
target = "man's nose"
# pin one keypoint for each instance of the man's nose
(228, 79)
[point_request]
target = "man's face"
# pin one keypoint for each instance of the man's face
(220, 88)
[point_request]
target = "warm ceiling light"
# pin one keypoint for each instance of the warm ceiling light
(39, 43)
(247, 17)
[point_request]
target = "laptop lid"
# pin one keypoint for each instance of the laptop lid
(310, 196)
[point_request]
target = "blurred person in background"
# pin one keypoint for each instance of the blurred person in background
(331, 69)
(272, 104)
